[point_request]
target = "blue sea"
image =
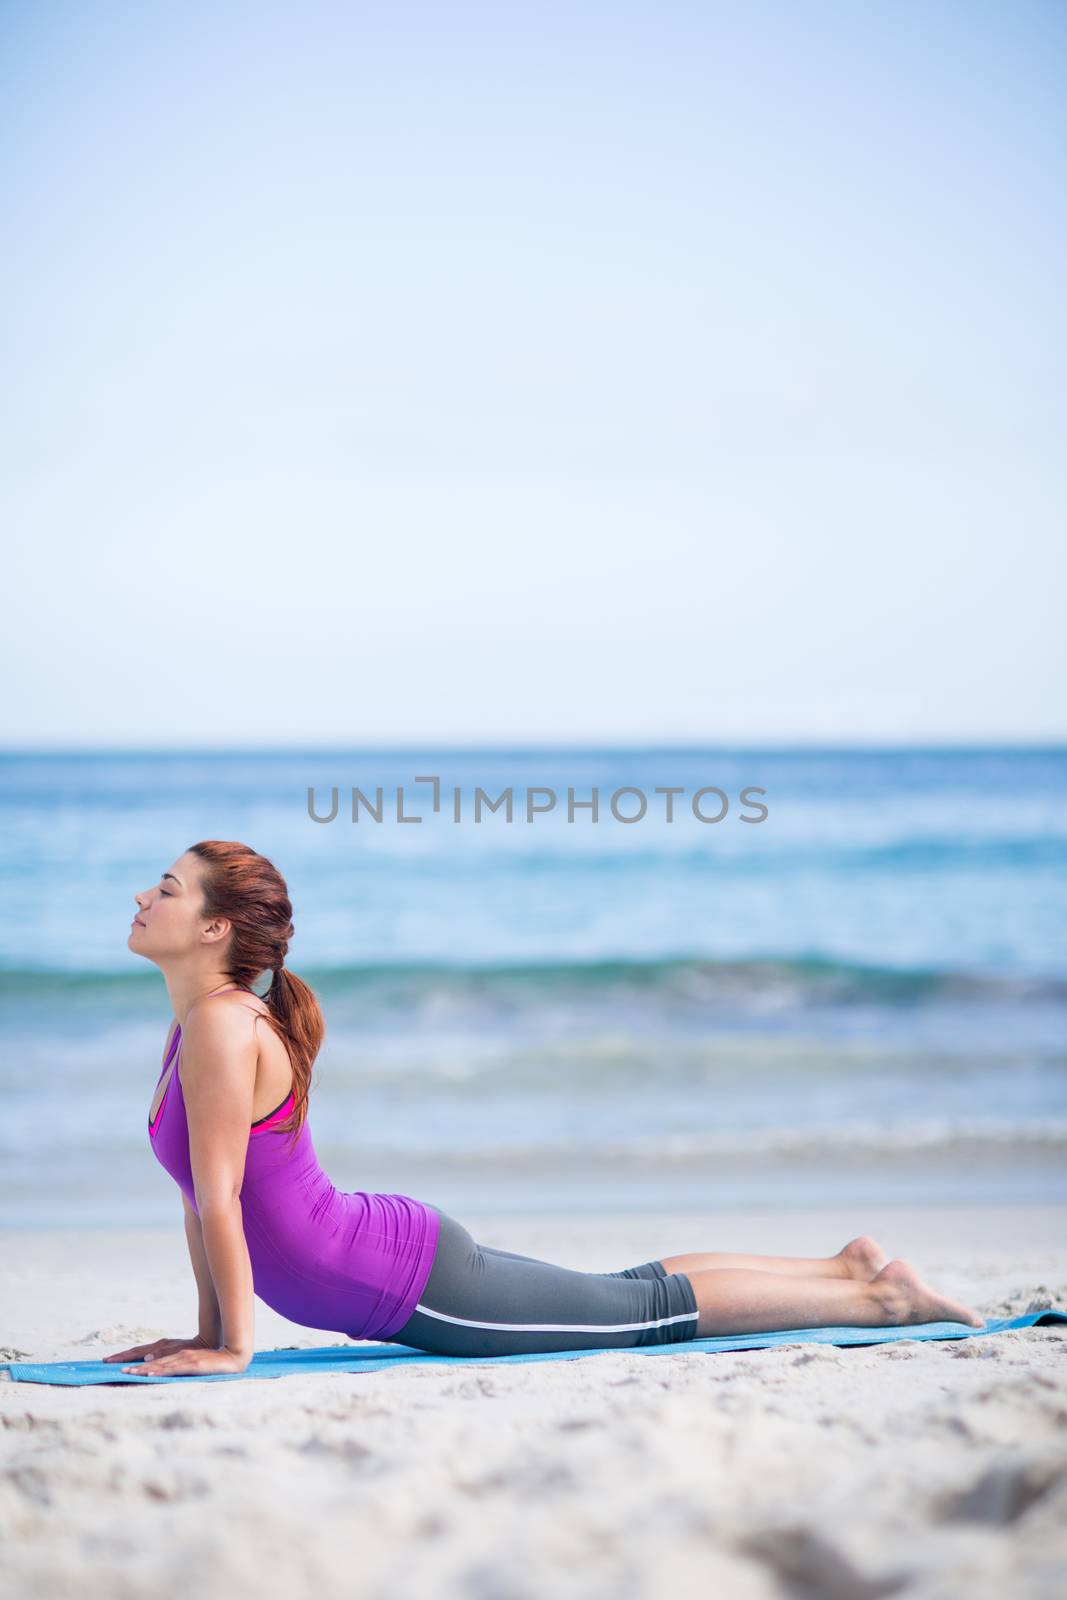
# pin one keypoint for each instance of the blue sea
(849, 989)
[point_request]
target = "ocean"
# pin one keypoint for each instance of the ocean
(850, 989)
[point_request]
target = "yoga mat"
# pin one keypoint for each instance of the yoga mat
(379, 1357)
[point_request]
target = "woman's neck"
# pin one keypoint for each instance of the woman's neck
(184, 993)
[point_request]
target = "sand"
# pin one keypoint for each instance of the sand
(922, 1469)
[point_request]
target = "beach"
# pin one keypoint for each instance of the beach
(928, 1469)
(597, 1045)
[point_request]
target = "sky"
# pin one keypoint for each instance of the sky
(576, 373)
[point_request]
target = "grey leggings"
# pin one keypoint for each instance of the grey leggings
(484, 1302)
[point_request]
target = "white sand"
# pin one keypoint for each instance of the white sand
(925, 1469)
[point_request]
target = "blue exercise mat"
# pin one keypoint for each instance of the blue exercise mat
(379, 1357)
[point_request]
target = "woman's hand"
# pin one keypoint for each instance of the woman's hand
(178, 1357)
(159, 1349)
(193, 1361)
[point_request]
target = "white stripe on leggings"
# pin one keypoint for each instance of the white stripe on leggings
(560, 1327)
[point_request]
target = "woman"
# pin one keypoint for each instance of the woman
(229, 1123)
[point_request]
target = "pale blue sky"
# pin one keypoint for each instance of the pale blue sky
(520, 372)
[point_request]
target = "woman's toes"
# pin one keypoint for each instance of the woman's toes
(908, 1301)
(955, 1311)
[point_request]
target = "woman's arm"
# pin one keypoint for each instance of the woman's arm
(231, 1272)
(210, 1328)
(219, 1052)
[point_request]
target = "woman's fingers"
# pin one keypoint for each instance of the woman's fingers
(139, 1351)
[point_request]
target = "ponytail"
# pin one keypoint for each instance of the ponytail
(297, 1016)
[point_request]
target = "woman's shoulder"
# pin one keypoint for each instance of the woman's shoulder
(255, 1005)
(214, 1016)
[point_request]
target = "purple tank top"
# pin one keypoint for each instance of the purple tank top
(350, 1263)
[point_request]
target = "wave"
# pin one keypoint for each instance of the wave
(940, 1138)
(676, 982)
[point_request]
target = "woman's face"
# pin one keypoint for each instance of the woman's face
(168, 920)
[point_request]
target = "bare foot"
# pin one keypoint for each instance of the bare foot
(908, 1301)
(862, 1258)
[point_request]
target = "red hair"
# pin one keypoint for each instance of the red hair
(249, 891)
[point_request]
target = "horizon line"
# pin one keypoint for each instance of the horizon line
(939, 745)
